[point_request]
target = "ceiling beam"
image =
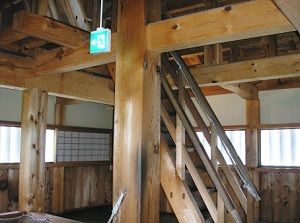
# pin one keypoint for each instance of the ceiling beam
(75, 85)
(8, 35)
(291, 9)
(244, 90)
(70, 60)
(14, 70)
(14, 77)
(47, 29)
(13, 61)
(241, 21)
(248, 71)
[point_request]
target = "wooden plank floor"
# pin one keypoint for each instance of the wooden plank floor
(102, 214)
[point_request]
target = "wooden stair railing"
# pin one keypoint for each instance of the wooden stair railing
(177, 191)
(200, 150)
(229, 148)
(210, 204)
(201, 124)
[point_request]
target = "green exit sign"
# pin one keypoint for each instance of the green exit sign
(100, 41)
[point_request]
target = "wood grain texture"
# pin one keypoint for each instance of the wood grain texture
(75, 85)
(137, 118)
(86, 186)
(247, 20)
(280, 199)
(247, 71)
(9, 35)
(47, 29)
(184, 206)
(66, 60)
(58, 190)
(32, 164)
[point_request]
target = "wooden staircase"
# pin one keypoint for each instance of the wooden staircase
(196, 195)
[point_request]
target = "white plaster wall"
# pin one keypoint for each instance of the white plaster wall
(230, 109)
(90, 114)
(87, 114)
(280, 106)
(10, 105)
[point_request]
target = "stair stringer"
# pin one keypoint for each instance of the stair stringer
(176, 190)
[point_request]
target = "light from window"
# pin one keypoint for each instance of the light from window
(237, 138)
(10, 144)
(280, 147)
(49, 150)
(10, 138)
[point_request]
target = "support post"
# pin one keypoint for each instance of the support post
(180, 132)
(252, 154)
(32, 164)
(137, 115)
(58, 172)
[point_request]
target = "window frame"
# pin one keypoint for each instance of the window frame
(67, 128)
(275, 127)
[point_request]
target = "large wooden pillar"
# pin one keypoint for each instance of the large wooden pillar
(137, 115)
(32, 164)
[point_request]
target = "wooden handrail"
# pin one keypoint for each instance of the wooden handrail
(241, 169)
(200, 122)
(201, 151)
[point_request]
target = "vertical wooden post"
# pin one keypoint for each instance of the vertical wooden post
(180, 132)
(213, 54)
(137, 115)
(252, 154)
(43, 7)
(32, 165)
(58, 172)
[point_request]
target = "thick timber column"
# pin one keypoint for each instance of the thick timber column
(32, 165)
(137, 115)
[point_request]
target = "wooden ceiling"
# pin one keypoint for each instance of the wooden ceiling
(50, 37)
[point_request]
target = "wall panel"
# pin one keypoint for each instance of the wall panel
(280, 196)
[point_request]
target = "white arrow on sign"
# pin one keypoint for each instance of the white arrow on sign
(94, 42)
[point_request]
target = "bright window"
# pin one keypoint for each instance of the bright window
(10, 144)
(237, 137)
(280, 147)
(10, 138)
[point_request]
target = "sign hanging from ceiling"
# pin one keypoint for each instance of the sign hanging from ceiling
(100, 41)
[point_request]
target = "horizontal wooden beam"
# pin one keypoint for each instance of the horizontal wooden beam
(9, 35)
(75, 85)
(14, 78)
(241, 21)
(14, 70)
(70, 60)
(248, 71)
(47, 29)
(13, 61)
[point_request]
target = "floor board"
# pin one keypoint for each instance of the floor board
(102, 214)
